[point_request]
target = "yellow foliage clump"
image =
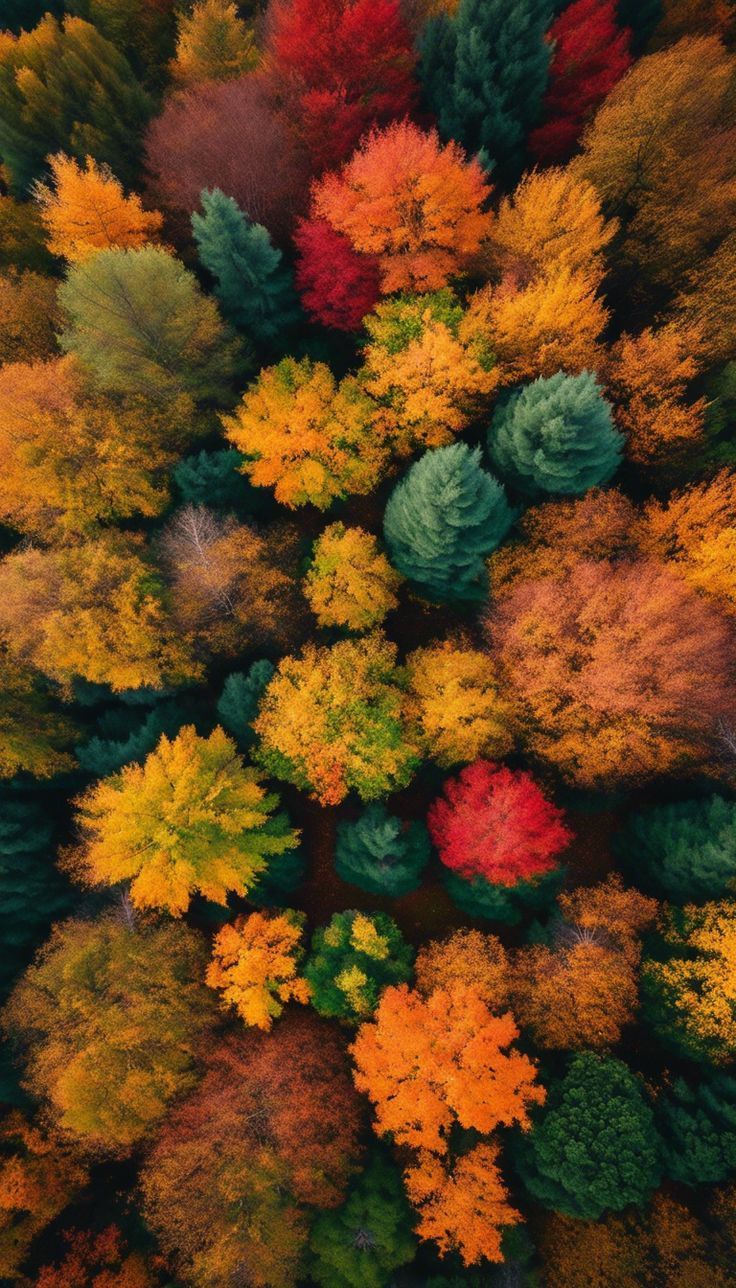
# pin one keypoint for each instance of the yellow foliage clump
(29, 316)
(552, 220)
(213, 44)
(84, 209)
(254, 965)
(695, 531)
(350, 581)
(455, 702)
(700, 986)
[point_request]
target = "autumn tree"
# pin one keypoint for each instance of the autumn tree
(455, 701)
(556, 435)
(212, 44)
(702, 307)
(29, 317)
(380, 853)
(591, 54)
(23, 237)
(306, 436)
(39, 1175)
(369, 1237)
(352, 960)
(34, 737)
(613, 657)
(648, 377)
(686, 850)
(191, 819)
(96, 1261)
(698, 1126)
(690, 995)
(464, 1209)
(416, 204)
(84, 209)
(271, 1132)
(338, 286)
(552, 324)
(255, 964)
(467, 957)
(143, 32)
(428, 1063)
(137, 320)
(594, 1147)
(695, 531)
(111, 1018)
(443, 517)
(350, 582)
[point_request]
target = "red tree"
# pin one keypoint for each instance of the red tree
(348, 64)
(337, 285)
(591, 53)
(496, 823)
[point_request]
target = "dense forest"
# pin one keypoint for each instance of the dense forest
(368, 643)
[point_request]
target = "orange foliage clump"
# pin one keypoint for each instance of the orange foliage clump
(464, 1209)
(85, 210)
(466, 957)
(29, 316)
(97, 1261)
(695, 531)
(38, 1177)
(254, 965)
(648, 376)
(706, 302)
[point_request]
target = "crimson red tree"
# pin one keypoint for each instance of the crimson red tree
(591, 53)
(497, 824)
(337, 285)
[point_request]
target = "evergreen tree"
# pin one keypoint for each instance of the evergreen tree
(352, 960)
(123, 736)
(254, 287)
(685, 851)
(275, 886)
(698, 1126)
(507, 904)
(361, 1243)
(238, 703)
(380, 853)
(484, 74)
(556, 436)
(594, 1147)
(215, 479)
(442, 519)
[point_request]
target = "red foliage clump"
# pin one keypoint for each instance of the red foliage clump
(337, 285)
(497, 824)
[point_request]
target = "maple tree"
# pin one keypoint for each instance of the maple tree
(352, 960)
(39, 1174)
(455, 701)
(84, 209)
(464, 1209)
(552, 324)
(338, 285)
(648, 376)
(29, 316)
(350, 581)
(465, 957)
(578, 993)
(254, 966)
(689, 996)
(212, 44)
(96, 1261)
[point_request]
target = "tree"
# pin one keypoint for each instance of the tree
(484, 74)
(674, 207)
(351, 962)
(551, 325)
(94, 610)
(684, 850)
(254, 966)
(690, 996)
(578, 993)
(271, 1132)
(96, 1261)
(466, 1209)
(591, 54)
(442, 519)
(22, 237)
(695, 531)
(648, 376)
(33, 736)
(191, 819)
(556, 435)
(214, 479)
(496, 823)
(241, 695)
(254, 287)
(139, 323)
(111, 1018)
(39, 1175)
(455, 702)
(64, 87)
(698, 1127)
(306, 436)
(350, 582)
(612, 657)
(507, 904)
(126, 734)
(594, 1147)
(361, 1243)
(380, 853)
(338, 286)
(612, 911)
(702, 306)
(345, 66)
(212, 44)
(29, 317)
(428, 1063)
(466, 957)
(84, 209)
(427, 366)
(143, 32)
(416, 204)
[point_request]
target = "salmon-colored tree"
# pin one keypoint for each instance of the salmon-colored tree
(648, 376)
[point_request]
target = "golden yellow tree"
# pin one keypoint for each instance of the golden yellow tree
(29, 316)
(255, 964)
(695, 531)
(456, 703)
(84, 209)
(350, 581)
(212, 44)
(705, 304)
(552, 220)
(648, 376)
(691, 996)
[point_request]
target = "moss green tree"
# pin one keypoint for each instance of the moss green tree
(352, 960)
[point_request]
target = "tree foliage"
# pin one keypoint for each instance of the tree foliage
(350, 581)
(352, 960)
(369, 1237)
(456, 702)
(254, 966)
(84, 209)
(689, 996)
(684, 850)
(338, 286)
(380, 853)
(212, 44)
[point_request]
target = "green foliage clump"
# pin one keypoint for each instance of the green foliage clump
(685, 851)
(442, 520)
(361, 1243)
(556, 436)
(33, 892)
(380, 853)
(275, 886)
(698, 1126)
(123, 737)
(506, 904)
(214, 479)
(352, 960)
(240, 699)
(595, 1147)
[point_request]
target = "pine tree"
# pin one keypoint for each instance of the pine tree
(215, 479)
(361, 1243)
(484, 74)
(380, 853)
(506, 904)
(254, 287)
(556, 435)
(698, 1126)
(441, 521)
(685, 851)
(238, 703)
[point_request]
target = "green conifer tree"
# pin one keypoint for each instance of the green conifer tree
(254, 286)
(484, 75)
(685, 851)
(214, 479)
(441, 521)
(506, 904)
(123, 736)
(698, 1127)
(276, 885)
(361, 1243)
(555, 436)
(594, 1147)
(352, 960)
(240, 698)
(380, 853)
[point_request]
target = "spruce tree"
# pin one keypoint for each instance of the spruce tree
(685, 851)
(555, 436)
(254, 287)
(506, 904)
(122, 736)
(380, 853)
(214, 479)
(698, 1126)
(361, 1243)
(484, 74)
(442, 520)
(240, 697)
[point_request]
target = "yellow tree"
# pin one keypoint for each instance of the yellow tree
(33, 738)
(695, 531)
(552, 220)
(648, 377)
(212, 44)
(29, 316)
(84, 209)
(705, 304)
(464, 1209)
(691, 996)
(192, 819)
(350, 581)
(255, 964)
(455, 702)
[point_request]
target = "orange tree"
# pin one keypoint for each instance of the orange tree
(254, 965)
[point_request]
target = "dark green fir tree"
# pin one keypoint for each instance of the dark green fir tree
(685, 851)
(276, 886)
(240, 698)
(352, 960)
(380, 853)
(698, 1128)
(505, 904)
(362, 1243)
